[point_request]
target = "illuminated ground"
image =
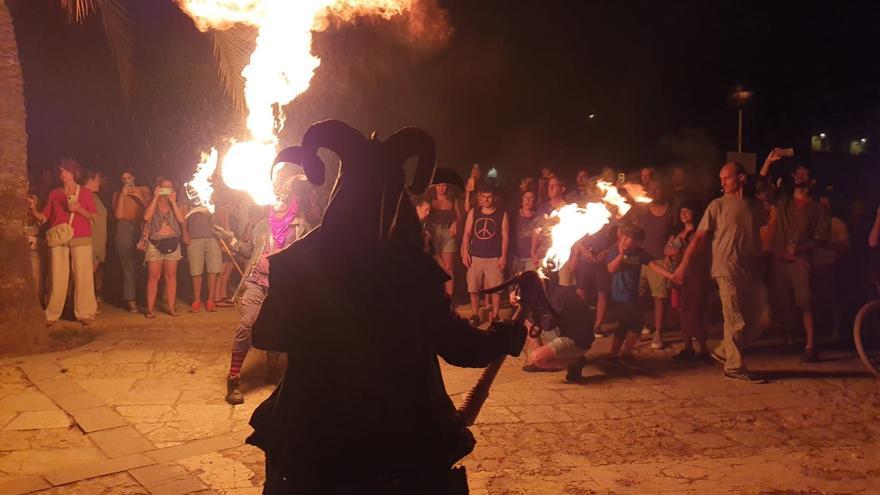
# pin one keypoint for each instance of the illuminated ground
(141, 410)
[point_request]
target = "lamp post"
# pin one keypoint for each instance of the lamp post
(740, 96)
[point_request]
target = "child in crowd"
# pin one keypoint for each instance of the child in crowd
(625, 261)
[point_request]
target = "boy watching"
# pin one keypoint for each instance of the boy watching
(625, 261)
(484, 249)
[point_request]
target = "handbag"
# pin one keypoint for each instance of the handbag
(145, 236)
(62, 233)
(167, 245)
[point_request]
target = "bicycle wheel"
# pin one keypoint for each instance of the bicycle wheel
(864, 332)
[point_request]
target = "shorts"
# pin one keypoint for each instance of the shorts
(629, 318)
(562, 347)
(202, 251)
(483, 274)
(153, 254)
(658, 284)
(794, 277)
(441, 239)
(593, 277)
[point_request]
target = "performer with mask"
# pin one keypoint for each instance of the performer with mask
(363, 314)
(282, 226)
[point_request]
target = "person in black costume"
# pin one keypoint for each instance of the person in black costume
(362, 312)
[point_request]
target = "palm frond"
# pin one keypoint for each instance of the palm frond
(232, 49)
(117, 28)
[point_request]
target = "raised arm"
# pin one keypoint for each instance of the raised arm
(774, 156)
(151, 208)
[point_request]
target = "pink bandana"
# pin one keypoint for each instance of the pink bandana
(281, 225)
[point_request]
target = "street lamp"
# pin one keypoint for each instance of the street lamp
(740, 96)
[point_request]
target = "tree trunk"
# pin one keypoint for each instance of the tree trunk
(22, 324)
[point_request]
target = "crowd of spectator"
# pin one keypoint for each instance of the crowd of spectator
(769, 252)
(68, 228)
(772, 250)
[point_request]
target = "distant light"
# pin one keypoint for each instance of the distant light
(822, 135)
(863, 140)
(591, 116)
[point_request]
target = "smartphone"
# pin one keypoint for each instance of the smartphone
(787, 152)
(71, 198)
(164, 191)
(130, 182)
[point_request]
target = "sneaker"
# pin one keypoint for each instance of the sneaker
(474, 320)
(657, 342)
(131, 306)
(233, 391)
(743, 376)
(531, 368)
(811, 355)
(573, 370)
(195, 307)
(685, 356)
(210, 306)
(598, 333)
(646, 331)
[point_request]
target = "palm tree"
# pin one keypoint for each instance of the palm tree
(22, 327)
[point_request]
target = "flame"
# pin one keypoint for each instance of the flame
(572, 222)
(637, 193)
(199, 189)
(280, 69)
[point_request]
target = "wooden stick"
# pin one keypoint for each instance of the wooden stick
(231, 256)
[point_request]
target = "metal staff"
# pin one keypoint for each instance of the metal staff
(532, 301)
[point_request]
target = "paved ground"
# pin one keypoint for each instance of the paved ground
(140, 410)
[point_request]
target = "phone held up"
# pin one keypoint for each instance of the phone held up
(164, 191)
(786, 152)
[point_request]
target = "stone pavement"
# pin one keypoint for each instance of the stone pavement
(140, 410)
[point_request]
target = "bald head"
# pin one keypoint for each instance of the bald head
(733, 177)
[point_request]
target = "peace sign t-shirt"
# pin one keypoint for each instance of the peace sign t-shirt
(486, 238)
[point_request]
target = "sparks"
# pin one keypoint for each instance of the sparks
(280, 69)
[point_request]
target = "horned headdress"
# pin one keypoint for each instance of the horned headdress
(369, 206)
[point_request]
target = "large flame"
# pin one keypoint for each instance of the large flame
(280, 69)
(199, 189)
(572, 222)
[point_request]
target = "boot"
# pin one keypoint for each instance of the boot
(233, 392)
(573, 371)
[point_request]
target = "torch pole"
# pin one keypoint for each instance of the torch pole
(739, 133)
(229, 253)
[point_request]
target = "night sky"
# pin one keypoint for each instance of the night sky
(513, 87)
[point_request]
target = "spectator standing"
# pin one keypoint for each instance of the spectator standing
(222, 218)
(732, 223)
(164, 218)
(525, 225)
(73, 205)
(36, 247)
(484, 250)
(442, 223)
(581, 194)
(824, 275)
(129, 205)
(802, 224)
(656, 221)
(688, 297)
(555, 201)
(94, 180)
(203, 255)
(591, 272)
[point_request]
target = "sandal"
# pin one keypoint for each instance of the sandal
(149, 314)
(225, 303)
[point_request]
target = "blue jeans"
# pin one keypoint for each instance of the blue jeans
(127, 236)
